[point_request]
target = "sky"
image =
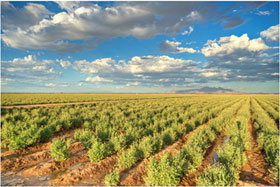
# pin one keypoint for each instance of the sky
(143, 47)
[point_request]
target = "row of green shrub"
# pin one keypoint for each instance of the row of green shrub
(169, 170)
(150, 145)
(231, 154)
(271, 111)
(20, 99)
(267, 137)
(274, 105)
(101, 148)
(273, 101)
(25, 127)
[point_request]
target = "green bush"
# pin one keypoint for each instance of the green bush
(166, 138)
(69, 142)
(218, 176)
(25, 138)
(4, 144)
(113, 178)
(86, 137)
(59, 150)
(103, 135)
(45, 134)
(166, 172)
(119, 142)
(100, 151)
(129, 158)
(89, 126)
(150, 145)
(78, 134)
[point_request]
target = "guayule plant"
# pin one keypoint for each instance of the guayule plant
(150, 145)
(97, 152)
(113, 178)
(119, 142)
(45, 134)
(129, 158)
(100, 151)
(59, 150)
(86, 137)
(25, 138)
(217, 176)
(166, 172)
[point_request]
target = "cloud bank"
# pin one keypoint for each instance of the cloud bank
(83, 25)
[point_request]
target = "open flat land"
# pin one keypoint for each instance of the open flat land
(139, 139)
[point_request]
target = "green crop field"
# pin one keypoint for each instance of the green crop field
(9, 99)
(153, 140)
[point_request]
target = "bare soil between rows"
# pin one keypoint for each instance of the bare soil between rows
(93, 170)
(190, 179)
(20, 162)
(255, 172)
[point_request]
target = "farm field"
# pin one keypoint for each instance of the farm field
(11, 99)
(140, 140)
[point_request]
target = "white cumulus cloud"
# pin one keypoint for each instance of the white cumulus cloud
(173, 47)
(271, 34)
(232, 44)
(188, 32)
(50, 85)
(133, 84)
(97, 79)
(35, 27)
(64, 63)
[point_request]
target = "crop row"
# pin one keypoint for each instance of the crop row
(270, 110)
(169, 169)
(144, 144)
(8, 99)
(153, 144)
(267, 136)
(274, 100)
(274, 105)
(101, 147)
(25, 127)
(231, 154)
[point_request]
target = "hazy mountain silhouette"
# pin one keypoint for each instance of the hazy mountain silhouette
(205, 90)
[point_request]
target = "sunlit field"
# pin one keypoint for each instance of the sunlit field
(153, 140)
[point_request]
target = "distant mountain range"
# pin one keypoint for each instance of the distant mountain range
(218, 90)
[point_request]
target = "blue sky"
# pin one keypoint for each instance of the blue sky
(139, 46)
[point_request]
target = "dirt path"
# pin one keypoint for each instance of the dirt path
(93, 170)
(190, 179)
(17, 163)
(255, 171)
(54, 166)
